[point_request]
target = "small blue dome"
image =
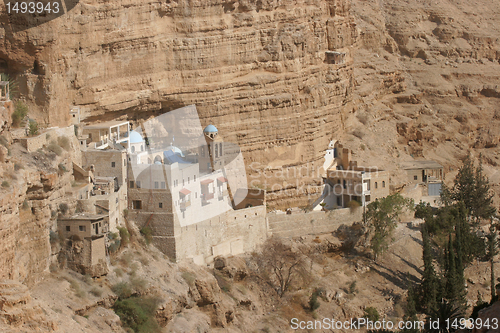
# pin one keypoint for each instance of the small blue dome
(175, 149)
(135, 137)
(210, 129)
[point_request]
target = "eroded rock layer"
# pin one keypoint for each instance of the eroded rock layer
(261, 71)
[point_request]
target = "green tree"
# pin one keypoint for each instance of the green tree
(444, 311)
(482, 201)
(472, 188)
(429, 285)
(454, 274)
(382, 216)
(492, 252)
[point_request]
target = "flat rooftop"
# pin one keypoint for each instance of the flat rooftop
(106, 124)
(83, 217)
(415, 165)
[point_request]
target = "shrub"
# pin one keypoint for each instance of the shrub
(114, 246)
(63, 208)
(96, 291)
(352, 287)
(353, 205)
(119, 272)
(33, 128)
(138, 313)
(147, 232)
(112, 235)
(122, 290)
(363, 118)
(3, 141)
(188, 277)
(138, 284)
(62, 167)
(76, 286)
(20, 112)
(313, 301)
(53, 236)
(5, 184)
(18, 167)
(63, 141)
(124, 235)
(371, 314)
(55, 148)
(125, 212)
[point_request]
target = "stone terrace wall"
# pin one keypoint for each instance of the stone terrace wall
(311, 223)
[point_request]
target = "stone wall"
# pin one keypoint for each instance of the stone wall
(103, 160)
(230, 233)
(36, 142)
(312, 223)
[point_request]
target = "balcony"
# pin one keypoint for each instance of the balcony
(185, 204)
(206, 197)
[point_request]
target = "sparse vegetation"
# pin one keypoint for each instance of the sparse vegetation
(53, 236)
(97, 292)
(33, 128)
(352, 287)
(63, 142)
(280, 266)
(358, 133)
(147, 232)
(313, 301)
(5, 184)
(188, 277)
(62, 168)
(54, 148)
(122, 290)
(20, 112)
(124, 235)
(18, 167)
(138, 313)
(76, 287)
(63, 208)
(371, 314)
(3, 141)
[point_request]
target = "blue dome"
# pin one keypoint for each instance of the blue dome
(210, 129)
(175, 150)
(135, 137)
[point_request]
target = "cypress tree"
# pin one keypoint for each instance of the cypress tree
(454, 275)
(482, 200)
(492, 251)
(429, 284)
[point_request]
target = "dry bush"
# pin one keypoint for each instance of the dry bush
(281, 267)
(63, 141)
(55, 148)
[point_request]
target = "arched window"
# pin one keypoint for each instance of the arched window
(376, 185)
(142, 148)
(383, 183)
(220, 148)
(133, 149)
(216, 150)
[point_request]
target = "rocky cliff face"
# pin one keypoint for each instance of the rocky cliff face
(258, 70)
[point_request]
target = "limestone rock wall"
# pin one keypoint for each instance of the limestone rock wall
(255, 69)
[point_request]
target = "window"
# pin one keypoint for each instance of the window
(216, 150)
(194, 177)
(82, 228)
(124, 162)
(383, 183)
(136, 204)
(220, 149)
(345, 184)
(183, 182)
(195, 195)
(113, 164)
(133, 149)
(188, 180)
(160, 205)
(138, 184)
(116, 201)
(415, 177)
(131, 184)
(202, 151)
(163, 185)
(68, 228)
(157, 185)
(376, 185)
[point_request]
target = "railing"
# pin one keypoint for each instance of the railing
(185, 204)
(208, 196)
